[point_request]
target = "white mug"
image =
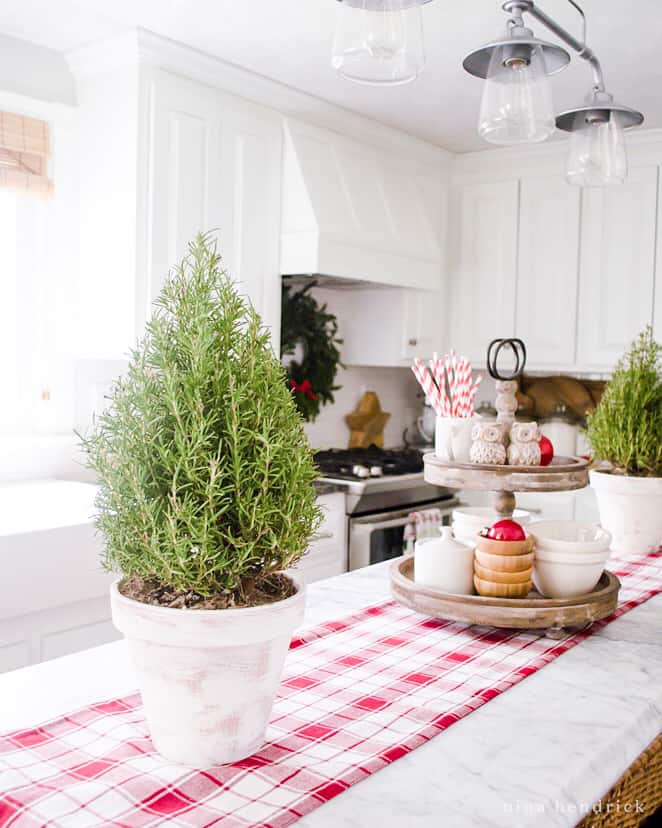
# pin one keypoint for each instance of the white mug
(452, 441)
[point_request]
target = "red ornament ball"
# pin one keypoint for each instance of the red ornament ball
(546, 451)
(506, 530)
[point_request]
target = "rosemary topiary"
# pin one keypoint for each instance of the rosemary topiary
(206, 474)
(626, 427)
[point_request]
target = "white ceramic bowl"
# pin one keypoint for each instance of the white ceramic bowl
(569, 557)
(469, 520)
(563, 537)
(566, 578)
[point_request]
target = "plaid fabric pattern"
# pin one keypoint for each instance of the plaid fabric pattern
(357, 694)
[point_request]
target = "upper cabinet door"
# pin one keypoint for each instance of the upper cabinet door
(548, 270)
(657, 310)
(183, 156)
(482, 283)
(617, 267)
(215, 164)
(250, 209)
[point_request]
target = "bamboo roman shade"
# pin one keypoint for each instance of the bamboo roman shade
(24, 151)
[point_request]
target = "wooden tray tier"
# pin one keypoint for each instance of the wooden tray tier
(563, 474)
(533, 612)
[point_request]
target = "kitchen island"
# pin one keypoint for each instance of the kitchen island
(539, 754)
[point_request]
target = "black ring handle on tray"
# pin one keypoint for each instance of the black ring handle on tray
(494, 349)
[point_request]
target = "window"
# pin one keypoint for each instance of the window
(38, 238)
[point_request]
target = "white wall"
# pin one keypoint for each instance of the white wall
(397, 390)
(33, 71)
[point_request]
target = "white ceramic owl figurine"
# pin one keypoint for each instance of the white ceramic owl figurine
(488, 444)
(524, 449)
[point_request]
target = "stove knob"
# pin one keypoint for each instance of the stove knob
(376, 471)
(360, 471)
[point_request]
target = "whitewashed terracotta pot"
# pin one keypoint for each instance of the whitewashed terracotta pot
(208, 678)
(631, 509)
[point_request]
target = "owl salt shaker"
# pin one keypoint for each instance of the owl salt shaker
(488, 443)
(524, 449)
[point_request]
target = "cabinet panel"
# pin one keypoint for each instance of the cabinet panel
(184, 154)
(483, 266)
(657, 310)
(617, 266)
(215, 164)
(80, 637)
(548, 270)
(250, 187)
(424, 329)
(386, 327)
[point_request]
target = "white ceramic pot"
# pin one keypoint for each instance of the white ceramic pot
(208, 678)
(452, 438)
(469, 520)
(444, 563)
(631, 509)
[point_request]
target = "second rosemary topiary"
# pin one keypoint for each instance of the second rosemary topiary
(206, 474)
(626, 427)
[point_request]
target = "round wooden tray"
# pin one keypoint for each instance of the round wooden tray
(562, 474)
(533, 612)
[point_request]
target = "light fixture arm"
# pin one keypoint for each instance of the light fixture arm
(518, 7)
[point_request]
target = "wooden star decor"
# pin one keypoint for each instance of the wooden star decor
(367, 423)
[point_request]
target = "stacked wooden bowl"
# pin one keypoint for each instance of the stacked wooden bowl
(503, 569)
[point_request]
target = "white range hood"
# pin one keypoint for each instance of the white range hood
(354, 213)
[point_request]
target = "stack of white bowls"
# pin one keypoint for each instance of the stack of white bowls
(469, 520)
(569, 557)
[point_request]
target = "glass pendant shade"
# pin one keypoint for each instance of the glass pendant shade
(379, 41)
(517, 103)
(597, 157)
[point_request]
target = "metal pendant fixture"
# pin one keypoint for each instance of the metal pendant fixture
(516, 106)
(517, 100)
(379, 42)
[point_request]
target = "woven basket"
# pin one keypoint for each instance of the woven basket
(641, 783)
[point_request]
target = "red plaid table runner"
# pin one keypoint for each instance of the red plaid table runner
(357, 694)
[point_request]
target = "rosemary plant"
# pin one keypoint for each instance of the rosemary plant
(626, 427)
(206, 474)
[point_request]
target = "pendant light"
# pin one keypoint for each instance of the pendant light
(379, 42)
(516, 107)
(516, 104)
(597, 156)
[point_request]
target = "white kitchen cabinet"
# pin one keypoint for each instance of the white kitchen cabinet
(546, 310)
(657, 309)
(327, 553)
(386, 327)
(215, 164)
(617, 266)
(483, 270)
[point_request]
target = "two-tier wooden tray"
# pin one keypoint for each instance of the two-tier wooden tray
(533, 612)
(563, 474)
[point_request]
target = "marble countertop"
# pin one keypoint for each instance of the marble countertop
(540, 754)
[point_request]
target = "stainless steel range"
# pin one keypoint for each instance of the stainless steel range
(383, 488)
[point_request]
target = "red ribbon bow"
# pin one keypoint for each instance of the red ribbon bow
(303, 388)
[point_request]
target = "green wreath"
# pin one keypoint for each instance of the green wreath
(306, 323)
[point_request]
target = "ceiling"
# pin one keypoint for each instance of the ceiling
(290, 41)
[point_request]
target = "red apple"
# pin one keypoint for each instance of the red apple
(546, 451)
(506, 530)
